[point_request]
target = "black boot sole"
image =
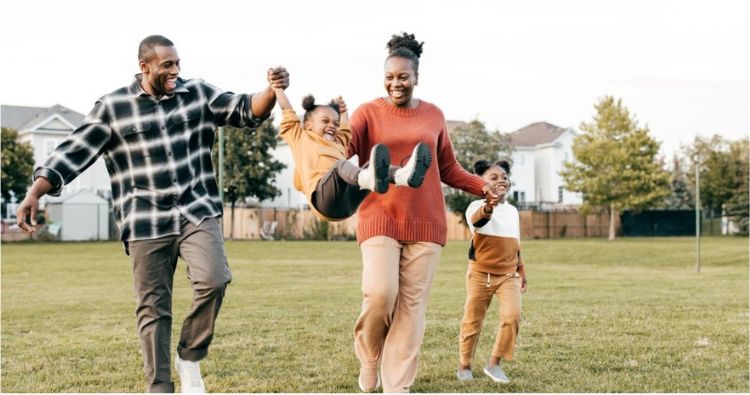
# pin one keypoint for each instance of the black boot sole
(381, 159)
(423, 161)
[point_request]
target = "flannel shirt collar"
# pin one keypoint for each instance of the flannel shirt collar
(135, 88)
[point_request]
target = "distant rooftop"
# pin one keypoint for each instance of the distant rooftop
(535, 134)
(23, 118)
(452, 125)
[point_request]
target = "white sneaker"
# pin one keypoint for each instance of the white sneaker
(375, 176)
(412, 174)
(496, 373)
(464, 374)
(190, 376)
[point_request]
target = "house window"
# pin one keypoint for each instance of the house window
(519, 196)
(560, 194)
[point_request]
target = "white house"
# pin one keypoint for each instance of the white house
(539, 152)
(45, 128)
(83, 215)
(290, 197)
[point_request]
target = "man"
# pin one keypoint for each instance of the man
(155, 137)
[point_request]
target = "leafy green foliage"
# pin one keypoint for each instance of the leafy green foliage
(616, 167)
(721, 169)
(681, 196)
(738, 205)
(473, 142)
(249, 167)
(17, 165)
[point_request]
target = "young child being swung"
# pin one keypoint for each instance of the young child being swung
(334, 186)
(495, 268)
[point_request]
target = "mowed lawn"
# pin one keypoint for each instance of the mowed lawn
(625, 316)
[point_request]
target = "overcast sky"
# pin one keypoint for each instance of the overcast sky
(682, 67)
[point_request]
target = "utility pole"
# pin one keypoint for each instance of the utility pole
(221, 175)
(697, 214)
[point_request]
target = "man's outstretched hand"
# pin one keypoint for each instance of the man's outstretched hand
(278, 78)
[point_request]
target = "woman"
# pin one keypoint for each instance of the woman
(402, 231)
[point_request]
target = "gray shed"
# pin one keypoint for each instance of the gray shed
(81, 216)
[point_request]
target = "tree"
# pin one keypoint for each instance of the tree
(681, 196)
(472, 142)
(738, 205)
(249, 168)
(719, 170)
(616, 167)
(17, 165)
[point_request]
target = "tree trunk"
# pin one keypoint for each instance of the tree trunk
(231, 223)
(612, 216)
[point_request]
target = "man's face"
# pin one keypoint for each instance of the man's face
(161, 71)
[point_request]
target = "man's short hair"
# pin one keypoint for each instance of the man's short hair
(146, 48)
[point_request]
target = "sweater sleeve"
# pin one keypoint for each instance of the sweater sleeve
(290, 127)
(344, 135)
(473, 208)
(476, 216)
(358, 125)
(451, 171)
(479, 218)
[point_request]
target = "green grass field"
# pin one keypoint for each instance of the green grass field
(627, 316)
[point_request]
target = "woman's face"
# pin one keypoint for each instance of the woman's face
(400, 80)
(498, 179)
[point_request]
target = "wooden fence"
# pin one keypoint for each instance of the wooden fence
(557, 224)
(259, 223)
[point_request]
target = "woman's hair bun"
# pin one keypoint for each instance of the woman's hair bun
(481, 166)
(407, 41)
(308, 102)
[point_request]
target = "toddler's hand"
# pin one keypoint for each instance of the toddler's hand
(491, 201)
(341, 103)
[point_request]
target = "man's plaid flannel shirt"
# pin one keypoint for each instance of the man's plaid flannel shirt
(157, 152)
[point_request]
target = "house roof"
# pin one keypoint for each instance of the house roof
(23, 118)
(535, 134)
(452, 125)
